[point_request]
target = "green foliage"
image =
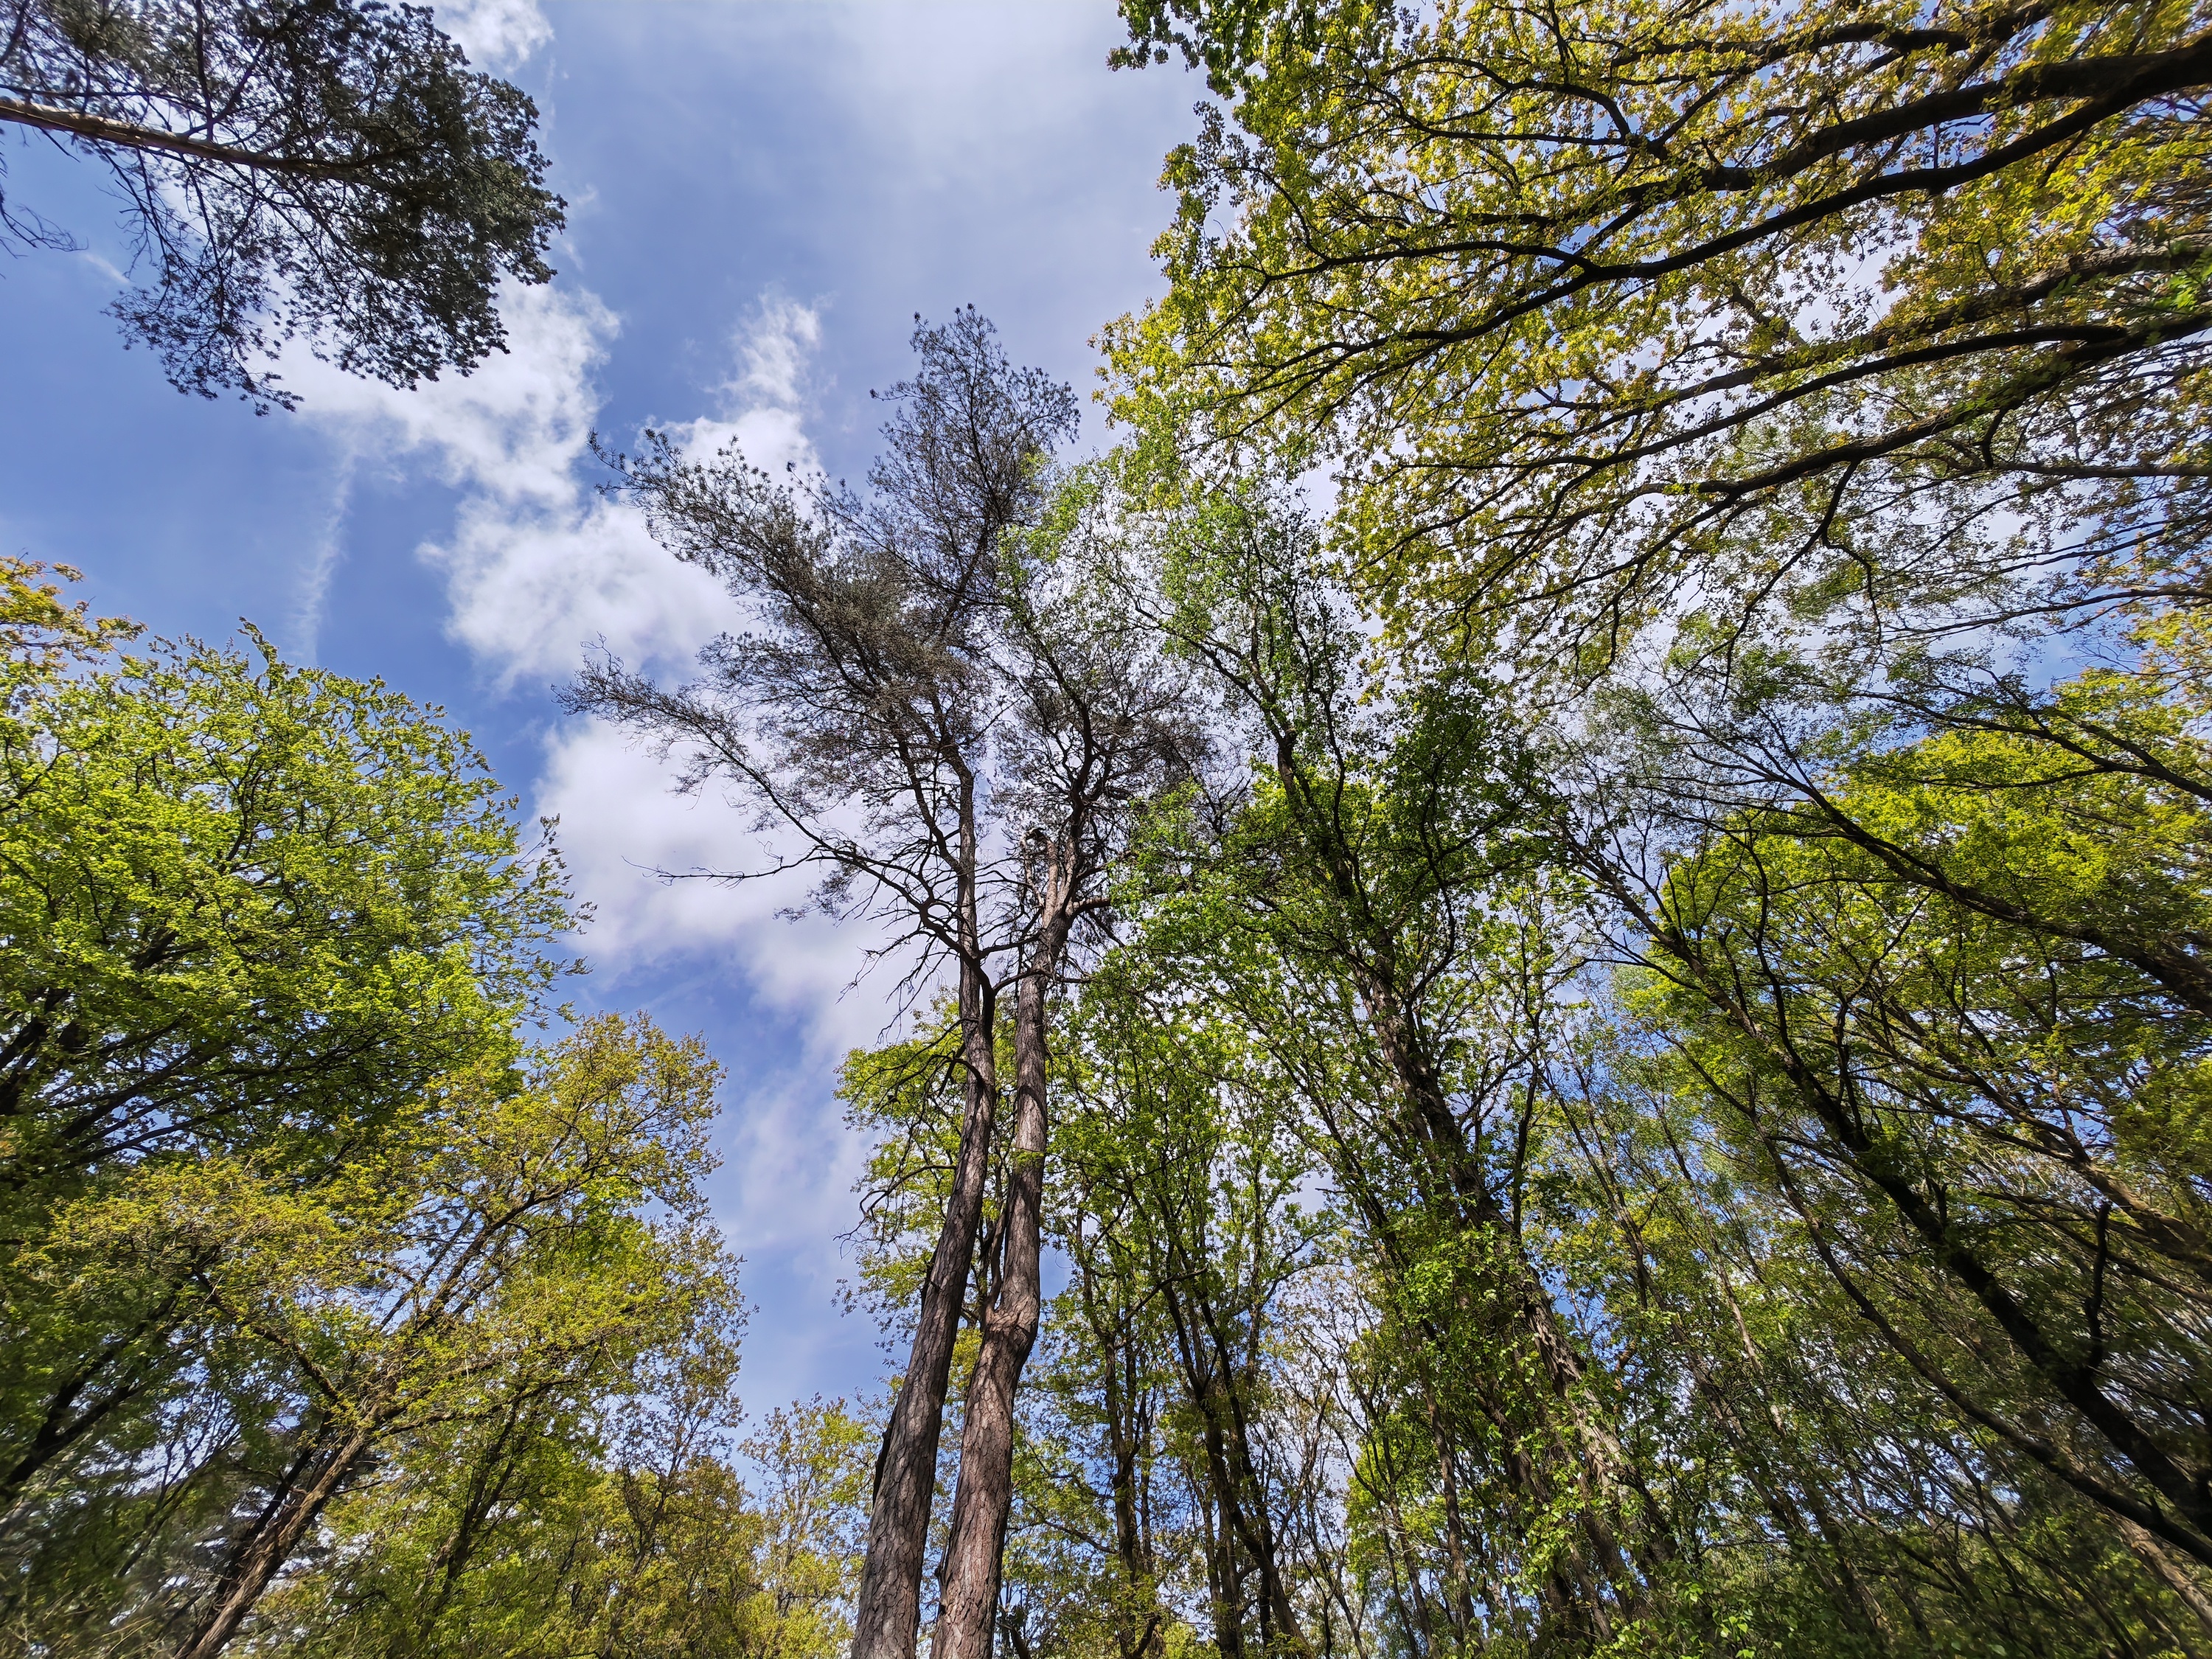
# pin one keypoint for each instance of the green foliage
(480, 1281)
(635, 1537)
(339, 1316)
(254, 914)
(1725, 874)
(330, 169)
(1609, 307)
(242, 900)
(2004, 1057)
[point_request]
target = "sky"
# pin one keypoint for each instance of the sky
(761, 196)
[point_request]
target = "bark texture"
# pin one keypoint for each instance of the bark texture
(257, 1557)
(967, 1611)
(888, 1617)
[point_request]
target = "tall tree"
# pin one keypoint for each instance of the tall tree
(949, 657)
(862, 717)
(291, 1209)
(1789, 405)
(1385, 866)
(1099, 729)
(252, 911)
(327, 168)
(1996, 1048)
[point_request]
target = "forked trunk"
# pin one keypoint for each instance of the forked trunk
(969, 1609)
(889, 1615)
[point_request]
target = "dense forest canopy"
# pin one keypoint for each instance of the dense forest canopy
(1553, 928)
(1660, 1108)
(345, 1312)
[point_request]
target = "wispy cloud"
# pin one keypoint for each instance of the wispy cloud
(312, 598)
(775, 348)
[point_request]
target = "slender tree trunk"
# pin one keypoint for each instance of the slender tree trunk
(1227, 1589)
(889, 1615)
(982, 1500)
(1125, 1440)
(1232, 1383)
(1211, 1373)
(2176, 1576)
(256, 1557)
(487, 1490)
(1596, 1462)
(1459, 1602)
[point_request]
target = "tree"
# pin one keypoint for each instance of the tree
(623, 1523)
(325, 168)
(508, 1253)
(1619, 307)
(252, 911)
(1784, 425)
(1146, 1482)
(947, 658)
(457, 1300)
(1382, 866)
(812, 1495)
(1184, 1232)
(40, 633)
(1578, 1382)
(2004, 1067)
(337, 1316)
(1758, 1154)
(861, 719)
(1101, 732)
(298, 1229)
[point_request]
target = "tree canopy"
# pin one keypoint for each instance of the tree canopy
(327, 168)
(1581, 866)
(340, 1310)
(1602, 306)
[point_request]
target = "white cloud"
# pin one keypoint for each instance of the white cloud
(775, 350)
(647, 857)
(784, 1194)
(496, 34)
(538, 565)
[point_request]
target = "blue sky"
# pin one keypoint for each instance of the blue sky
(761, 196)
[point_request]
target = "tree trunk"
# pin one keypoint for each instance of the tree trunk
(2176, 1576)
(889, 1615)
(256, 1557)
(1125, 1440)
(982, 1500)
(132, 135)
